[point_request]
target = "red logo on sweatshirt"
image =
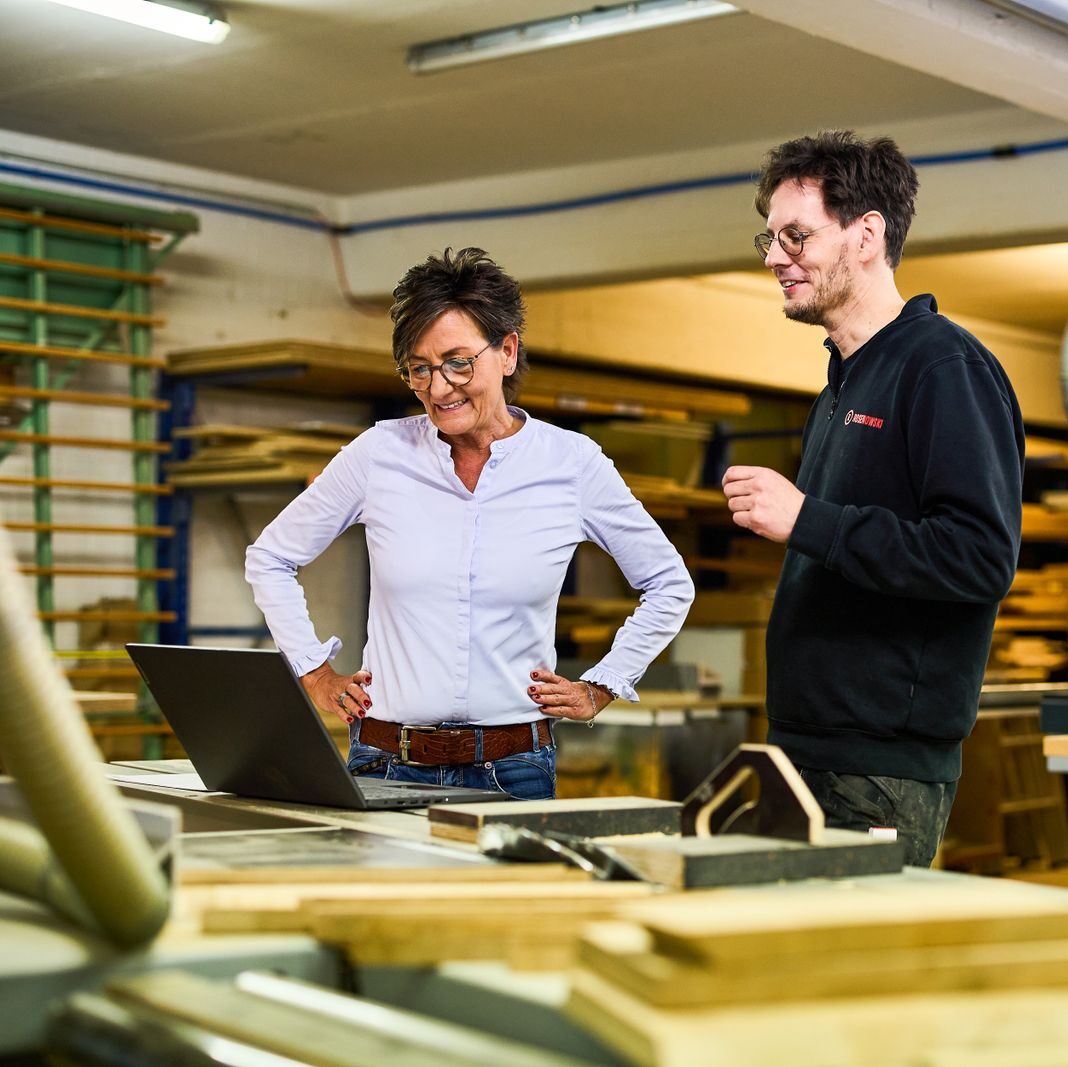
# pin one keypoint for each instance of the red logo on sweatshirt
(863, 420)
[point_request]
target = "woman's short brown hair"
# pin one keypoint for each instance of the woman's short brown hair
(467, 281)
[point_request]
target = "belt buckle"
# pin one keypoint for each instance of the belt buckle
(406, 744)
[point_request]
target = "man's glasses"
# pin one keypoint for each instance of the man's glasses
(457, 370)
(790, 238)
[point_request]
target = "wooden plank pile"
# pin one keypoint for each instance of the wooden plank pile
(387, 897)
(870, 973)
(665, 498)
(1047, 521)
(236, 455)
(338, 370)
(1029, 633)
(530, 920)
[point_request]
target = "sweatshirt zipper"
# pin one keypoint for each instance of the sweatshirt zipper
(839, 373)
(834, 400)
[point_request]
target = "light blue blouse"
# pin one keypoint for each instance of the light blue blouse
(464, 586)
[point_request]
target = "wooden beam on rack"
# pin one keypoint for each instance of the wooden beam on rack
(631, 393)
(102, 487)
(62, 352)
(73, 528)
(55, 222)
(1042, 523)
(745, 567)
(102, 672)
(83, 442)
(62, 206)
(108, 616)
(108, 400)
(63, 266)
(313, 367)
(63, 571)
(585, 405)
(75, 311)
(284, 474)
(1029, 623)
(130, 729)
(94, 702)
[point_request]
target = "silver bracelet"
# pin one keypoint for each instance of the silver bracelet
(593, 703)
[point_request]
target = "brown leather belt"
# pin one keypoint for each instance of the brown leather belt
(433, 746)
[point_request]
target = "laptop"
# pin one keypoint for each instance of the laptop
(248, 727)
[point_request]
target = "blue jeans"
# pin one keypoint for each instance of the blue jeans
(524, 776)
(918, 811)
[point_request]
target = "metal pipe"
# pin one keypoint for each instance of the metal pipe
(45, 743)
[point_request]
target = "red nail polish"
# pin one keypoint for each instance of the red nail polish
(348, 718)
(367, 704)
(362, 714)
(533, 674)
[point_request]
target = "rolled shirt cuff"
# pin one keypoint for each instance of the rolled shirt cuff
(614, 682)
(315, 657)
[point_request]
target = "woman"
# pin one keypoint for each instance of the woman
(472, 513)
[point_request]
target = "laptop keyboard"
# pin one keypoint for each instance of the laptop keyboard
(401, 789)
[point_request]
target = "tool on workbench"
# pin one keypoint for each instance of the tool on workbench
(501, 841)
(753, 820)
(784, 807)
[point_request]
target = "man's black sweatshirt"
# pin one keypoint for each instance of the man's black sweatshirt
(908, 537)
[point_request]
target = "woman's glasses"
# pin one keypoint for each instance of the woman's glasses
(457, 370)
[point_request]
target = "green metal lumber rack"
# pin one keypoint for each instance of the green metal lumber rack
(76, 282)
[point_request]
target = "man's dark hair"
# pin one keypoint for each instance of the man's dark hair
(856, 176)
(469, 281)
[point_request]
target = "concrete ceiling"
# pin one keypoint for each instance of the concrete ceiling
(315, 97)
(316, 93)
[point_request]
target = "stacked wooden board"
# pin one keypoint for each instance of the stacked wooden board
(338, 370)
(1029, 639)
(403, 900)
(665, 498)
(229, 455)
(934, 970)
(531, 921)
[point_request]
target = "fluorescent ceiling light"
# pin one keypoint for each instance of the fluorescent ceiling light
(1052, 14)
(197, 22)
(565, 29)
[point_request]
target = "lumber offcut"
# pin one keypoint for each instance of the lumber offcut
(586, 817)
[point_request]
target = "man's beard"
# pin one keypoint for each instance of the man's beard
(834, 292)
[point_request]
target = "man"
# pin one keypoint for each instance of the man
(903, 528)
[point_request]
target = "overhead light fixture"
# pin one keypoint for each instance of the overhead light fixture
(1053, 14)
(195, 21)
(562, 30)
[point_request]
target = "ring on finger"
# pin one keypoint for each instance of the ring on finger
(341, 699)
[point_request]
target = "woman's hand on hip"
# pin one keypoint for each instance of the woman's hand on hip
(564, 699)
(342, 694)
